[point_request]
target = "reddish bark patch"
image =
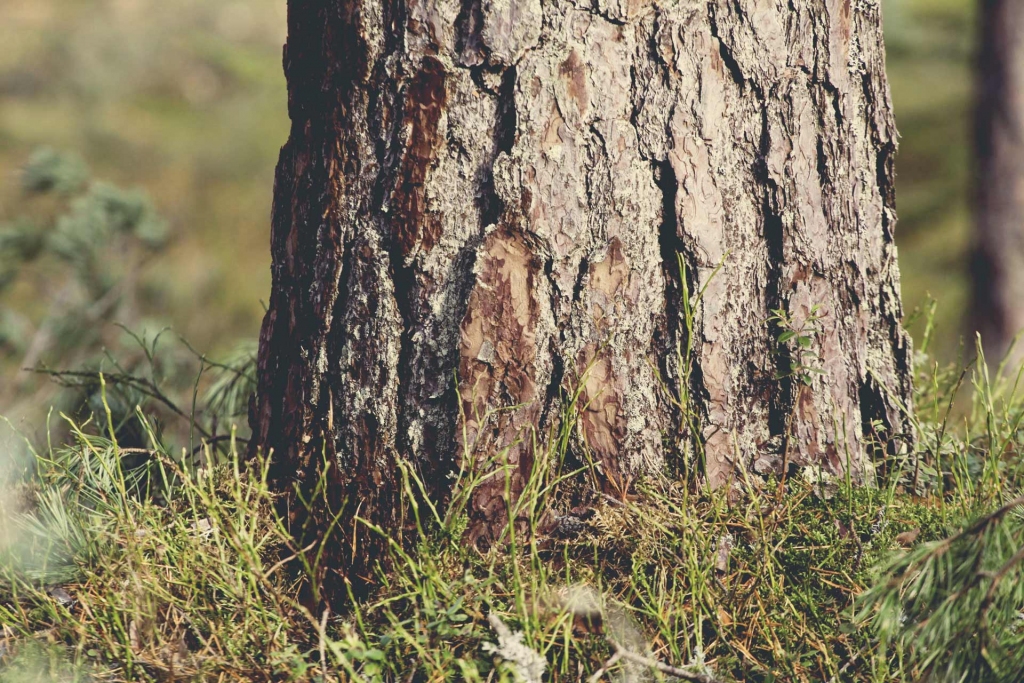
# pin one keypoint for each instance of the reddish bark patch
(603, 420)
(845, 20)
(425, 100)
(574, 71)
(497, 371)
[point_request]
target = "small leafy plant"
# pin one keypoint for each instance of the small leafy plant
(796, 343)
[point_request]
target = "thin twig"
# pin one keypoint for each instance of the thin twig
(323, 642)
(604, 669)
(144, 385)
(611, 499)
(217, 439)
(267, 574)
(844, 667)
(412, 669)
(661, 666)
(214, 364)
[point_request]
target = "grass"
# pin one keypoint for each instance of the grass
(128, 565)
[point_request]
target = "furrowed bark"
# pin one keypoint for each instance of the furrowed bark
(997, 268)
(481, 204)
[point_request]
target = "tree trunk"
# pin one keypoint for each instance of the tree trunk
(998, 263)
(481, 204)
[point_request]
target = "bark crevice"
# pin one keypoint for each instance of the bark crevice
(677, 261)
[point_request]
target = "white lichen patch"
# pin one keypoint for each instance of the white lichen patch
(529, 664)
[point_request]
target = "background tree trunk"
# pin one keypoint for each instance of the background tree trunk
(998, 263)
(497, 190)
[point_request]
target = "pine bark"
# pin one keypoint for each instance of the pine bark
(480, 207)
(998, 263)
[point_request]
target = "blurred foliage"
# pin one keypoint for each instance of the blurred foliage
(182, 98)
(930, 50)
(956, 606)
(183, 102)
(79, 261)
(76, 260)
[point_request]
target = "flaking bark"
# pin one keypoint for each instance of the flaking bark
(480, 206)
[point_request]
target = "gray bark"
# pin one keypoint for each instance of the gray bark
(998, 263)
(496, 191)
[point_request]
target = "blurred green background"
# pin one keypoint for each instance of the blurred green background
(930, 50)
(185, 98)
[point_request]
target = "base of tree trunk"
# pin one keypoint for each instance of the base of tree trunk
(483, 208)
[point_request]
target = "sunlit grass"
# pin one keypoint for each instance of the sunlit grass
(141, 565)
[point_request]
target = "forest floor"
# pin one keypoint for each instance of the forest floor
(159, 571)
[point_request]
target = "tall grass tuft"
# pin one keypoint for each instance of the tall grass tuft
(131, 563)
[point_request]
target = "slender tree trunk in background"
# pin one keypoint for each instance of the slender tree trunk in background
(998, 263)
(497, 191)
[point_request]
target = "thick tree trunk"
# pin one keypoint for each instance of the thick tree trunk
(481, 204)
(998, 264)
